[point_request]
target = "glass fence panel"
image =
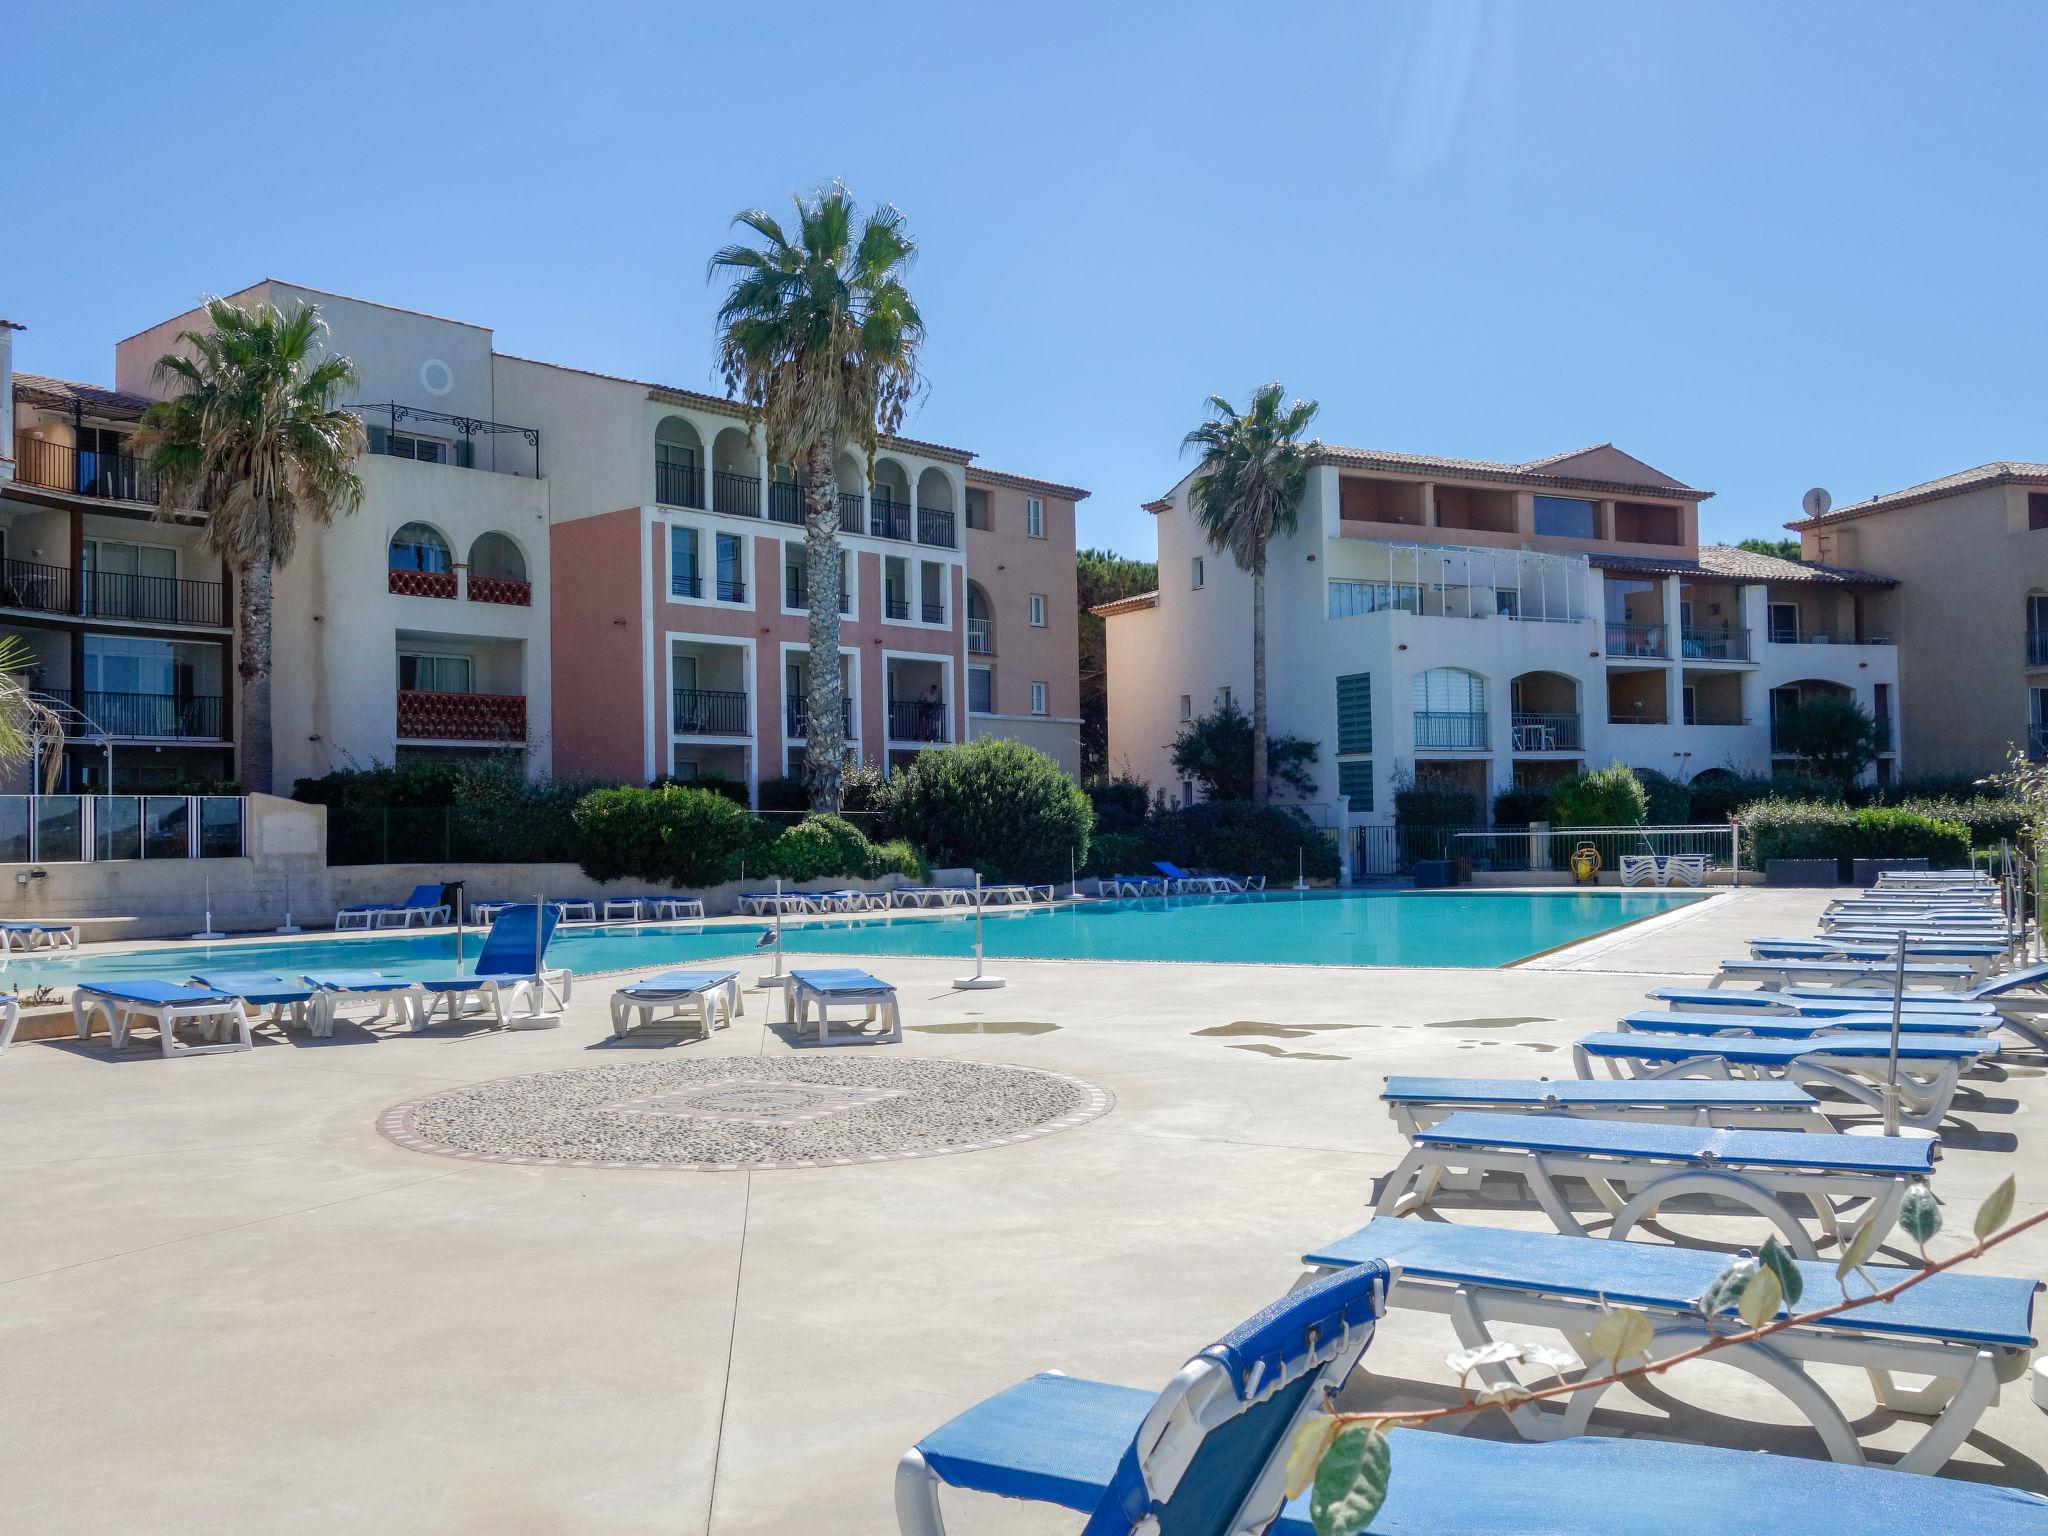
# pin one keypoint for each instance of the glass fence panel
(166, 827)
(60, 829)
(14, 829)
(220, 827)
(117, 827)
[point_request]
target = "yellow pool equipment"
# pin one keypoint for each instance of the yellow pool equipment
(1585, 862)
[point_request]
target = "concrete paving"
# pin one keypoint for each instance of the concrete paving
(227, 1304)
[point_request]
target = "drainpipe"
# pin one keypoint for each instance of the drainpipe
(7, 330)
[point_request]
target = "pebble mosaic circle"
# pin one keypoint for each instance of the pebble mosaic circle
(731, 1113)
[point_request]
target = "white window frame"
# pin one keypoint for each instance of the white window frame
(707, 534)
(1187, 706)
(989, 673)
(1770, 624)
(849, 568)
(1038, 701)
(1196, 574)
(1034, 517)
(439, 658)
(417, 440)
(1038, 610)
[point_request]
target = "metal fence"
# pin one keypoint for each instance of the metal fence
(76, 829)
(448, 834)
(1381, 852)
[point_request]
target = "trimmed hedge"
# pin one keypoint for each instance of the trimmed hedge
(679, 836)
(1718, 796)
(1668, 802)
(1235, 837)
(1781, 829)
(994, 805)
(1604, 797)
(1521, 804)
(821, 847)
(1435, 805)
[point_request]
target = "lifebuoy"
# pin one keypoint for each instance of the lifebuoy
(1585, 862)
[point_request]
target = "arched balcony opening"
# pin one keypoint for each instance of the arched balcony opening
(1546, 715)
(497, 571)
(889, 501)
(421, 562)
(678, 463)
(936, 522)
(1450, 710)
(735, 473)
(981, 622)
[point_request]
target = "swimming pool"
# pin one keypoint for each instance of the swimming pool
(1348, 928)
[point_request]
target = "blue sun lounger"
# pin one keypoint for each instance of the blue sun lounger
(21, 933)
(1854, 1064)
(1966, 1332)
(261, 989)
(395, 996)
(1416, 1103)
(1821, 1001)
(1979, 954)
(1208, 1454)
(1080, 1445)
(165, 1005)
(1786, 1026)
(510, 984)
(822, 989)
(427, 903)
(1655, 1163)
(1920, 975)
(706, 992)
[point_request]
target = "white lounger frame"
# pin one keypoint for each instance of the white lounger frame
(1924, 1094)
(225, 1022)
(40, 936)
(1413, 1116)
(509, 1002)
(712, 1007)
(798, 1000)
(1961, 1378)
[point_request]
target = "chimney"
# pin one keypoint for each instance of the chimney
(7, 330)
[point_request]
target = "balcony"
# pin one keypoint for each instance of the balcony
(914, 720)
(501, 589)
(889, 519)
(1715, 645)
(406, 582)
(61, 467)
(1548, 732)
(2037, 647)
(1699, 716)
(731, 590)
(1886, 740)
(144, 716)
(401, 431)
(1827, 635)
(786, 503)
(795, 593)
(896, 608)
(111, 595)
(935, 527)
(933, 613)
(1644, 641)
(426, 715)
(679, 485)
(981, 637)
(711, 712)
(37, 588)
(1450, 730)
(797, 715)
(849, 512)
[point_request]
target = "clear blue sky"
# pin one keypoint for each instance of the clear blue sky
(1763, 246)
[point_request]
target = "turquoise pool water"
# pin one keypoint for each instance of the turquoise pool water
(1448, 928)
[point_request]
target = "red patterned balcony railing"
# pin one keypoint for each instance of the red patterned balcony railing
(501, 589)
(409, 583)
(426, 716)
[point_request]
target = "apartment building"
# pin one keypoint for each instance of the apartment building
(602, 576)
(1484, 624)
(1971, 612)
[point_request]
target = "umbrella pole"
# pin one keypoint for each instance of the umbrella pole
(1891, 1080)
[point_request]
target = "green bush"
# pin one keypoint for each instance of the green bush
(1991, 820)
(895, 857)
(732, 789)
(868, 798)
(1216, 752)
(1235, 837)
(1522, 804)
(1435, 805)
(675, 835)
(816, 848)
(1118, 853)
(1120, 804)
(1605, 797)
(485, 812)
(995, 805)
(1668, 801)
(1784, 829)
(1717, 796)
(784, 795)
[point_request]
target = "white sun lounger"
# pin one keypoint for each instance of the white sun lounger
(767, 903)
(396, 997)
(1821, 1001)
(823, 989)
(511, 984)
(163, 1005)
(262, 989)
(1633, 1168)
(1787, 1026)
(10, 1018)
(706, 994)
(24, 934)
(1923, 976)
(1416, 1103)
(1963, 1333)
(1930, 1066)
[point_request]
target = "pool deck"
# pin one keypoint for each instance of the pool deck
(228, 1304)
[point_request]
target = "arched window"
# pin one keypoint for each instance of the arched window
(678, 458)
(495, 556)
(417, 547)
(1452, 689)
(981, 628)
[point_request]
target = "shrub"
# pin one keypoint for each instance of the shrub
(996, 805)
(482, 812)
(1435, 805)
(1522, 804)
(711, 783)
(1668, 801)
(1239, 838)
(1926, 786)
(1717, 796)
(818, 847)
(1120, 804)
(868, 798)
(895, 857)
(1118, 853)
(1836, 735)
(676, 835)
(784, 795)
(1783, 829)
(1990, 820)
(1877, 833)
(1606, 797)
(1216, 752)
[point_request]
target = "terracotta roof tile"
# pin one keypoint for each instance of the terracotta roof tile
(1724, 562)
(2002, 472)
(1025, 483)
(63, 394)
(1129, 604)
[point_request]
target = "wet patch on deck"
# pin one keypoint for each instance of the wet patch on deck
(1508, 1023)
(1243, 1027)
(985, 1027)
(1274, 1050)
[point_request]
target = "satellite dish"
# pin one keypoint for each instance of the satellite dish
(1816, 502)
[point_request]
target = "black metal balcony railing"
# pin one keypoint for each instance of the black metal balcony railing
(915, 720)
(1716, 644)
(710, 712)
(849, 512)
(678, 485)
(394, 431)
(156, 599)
(798, 715)
(1450, 729)
(685, 584)
(889, 519)
(796, 593)
(934, 613)
(88, 472)
(2037, 647)
(1698, 716)
(786, 502)
(896, 607)
(935, 527)
(1635, 640)
(731, 590)
(38, 588)
(736, 494)
(1538, 731)
(981, 637)
(1778, 741)
(1630, 717)
(147, 716)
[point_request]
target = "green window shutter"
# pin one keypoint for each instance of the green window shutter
(1354, 713)
(1355, 779)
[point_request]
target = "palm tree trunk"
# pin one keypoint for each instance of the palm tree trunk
(824, 730)
(1261, 790)
(252, 666)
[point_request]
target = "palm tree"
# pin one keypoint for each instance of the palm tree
(1248, 488)
(819, 337)
(253, 438)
